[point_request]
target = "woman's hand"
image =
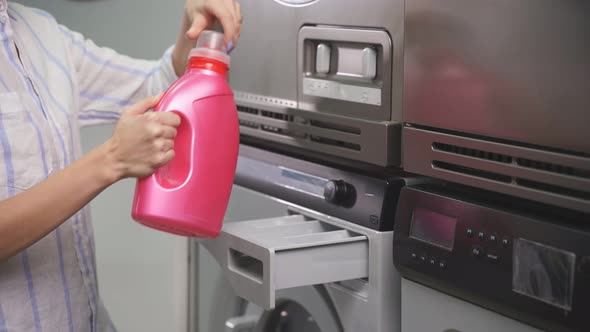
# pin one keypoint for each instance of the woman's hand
(142, 141)
(200, 15)
(203, 13)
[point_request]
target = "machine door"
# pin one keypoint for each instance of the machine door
(427, 310)
(306, 309)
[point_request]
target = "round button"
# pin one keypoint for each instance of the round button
(476, 251)
(505, 242)
(493, 237)
(339, 192)
(481, 235)
(432, 261)
(469, 232)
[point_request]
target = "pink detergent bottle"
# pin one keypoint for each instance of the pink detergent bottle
(189, 195)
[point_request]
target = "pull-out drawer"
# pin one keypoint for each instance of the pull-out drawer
(260, 257)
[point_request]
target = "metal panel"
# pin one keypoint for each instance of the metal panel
(515, 70)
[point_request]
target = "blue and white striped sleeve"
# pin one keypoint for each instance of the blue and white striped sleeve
(108, 81)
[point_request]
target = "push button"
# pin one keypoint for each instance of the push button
(423, 258)
(369, 63)
(322, 59)
(481, 235)
(414, 256)
(493, 258)
(442, 264)
(469, 232)
(476, 251)
(432, 261)
(493, 237)
(505, 242)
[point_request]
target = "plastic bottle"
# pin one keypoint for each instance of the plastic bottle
(189, 195)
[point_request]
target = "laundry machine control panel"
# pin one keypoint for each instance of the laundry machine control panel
(511, 256)
(369, 201)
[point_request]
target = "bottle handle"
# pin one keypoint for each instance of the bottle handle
(177, 172)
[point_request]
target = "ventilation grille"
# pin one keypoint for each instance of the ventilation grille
(300, 128)
(543, 171)
(472, 153)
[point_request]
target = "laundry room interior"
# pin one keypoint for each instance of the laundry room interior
(402, 166)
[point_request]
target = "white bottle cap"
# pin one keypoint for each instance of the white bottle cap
(211, 45)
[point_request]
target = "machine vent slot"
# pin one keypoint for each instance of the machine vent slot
(472, 172)
(454, 149)
(333, 142)
(247, 110)
(327, 125)
(301, 128)
(553, 168)
(277, 116)
(542, 177)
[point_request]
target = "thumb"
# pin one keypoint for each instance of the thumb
(200, 23)
(143, 106)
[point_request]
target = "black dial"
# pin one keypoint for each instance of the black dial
(340, 193)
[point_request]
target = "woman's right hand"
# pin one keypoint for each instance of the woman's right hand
(142, 141)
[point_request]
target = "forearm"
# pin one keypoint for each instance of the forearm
(32, 214)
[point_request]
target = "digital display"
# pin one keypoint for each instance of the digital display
(433, 228)
(543, 273)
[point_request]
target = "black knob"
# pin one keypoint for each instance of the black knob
(339, 192)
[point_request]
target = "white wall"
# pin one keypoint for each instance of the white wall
(142, 273)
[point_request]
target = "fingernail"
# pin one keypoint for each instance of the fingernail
(230, 46)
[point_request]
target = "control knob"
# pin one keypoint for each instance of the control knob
(339, 192)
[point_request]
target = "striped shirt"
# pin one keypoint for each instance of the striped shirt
(52, 81)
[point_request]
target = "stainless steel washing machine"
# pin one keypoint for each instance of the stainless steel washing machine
(305, 247)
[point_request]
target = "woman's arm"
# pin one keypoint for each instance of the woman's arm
(140, 143)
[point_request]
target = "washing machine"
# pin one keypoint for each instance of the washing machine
(305, 247)
(462, 250)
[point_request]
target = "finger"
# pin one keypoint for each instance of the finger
(200, 23)
(155, 130)
(168, 132)
(239, 21)
(143, 106)
(238, 9)
(225, 16)
(167, 144)
(164, 158)
(168, 118)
